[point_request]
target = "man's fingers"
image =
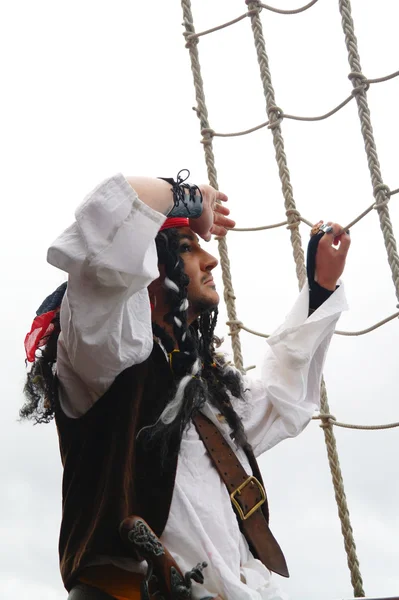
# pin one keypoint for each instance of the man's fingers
(221, 196)
(345, 243)
(218, 230)
(332, 237)
(335, 237)
(224, 221)
(219, 208)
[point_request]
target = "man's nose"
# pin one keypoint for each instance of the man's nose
(209, 262)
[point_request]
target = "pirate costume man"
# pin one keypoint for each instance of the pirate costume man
(116, 381)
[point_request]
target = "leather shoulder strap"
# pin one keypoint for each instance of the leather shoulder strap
(247, 496)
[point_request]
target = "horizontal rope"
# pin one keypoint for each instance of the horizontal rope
(386, 78)
(236, 324)
(329, 420)
(282, 115)
(193, 36)
(280, 11)
(372, 206)
(261, 228)
(368, 329)
(239, 325)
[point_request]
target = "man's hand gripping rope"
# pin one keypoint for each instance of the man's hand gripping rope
(327, 252)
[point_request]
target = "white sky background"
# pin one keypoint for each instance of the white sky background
(90, 88)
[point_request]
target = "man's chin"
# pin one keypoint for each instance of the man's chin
(206, 303)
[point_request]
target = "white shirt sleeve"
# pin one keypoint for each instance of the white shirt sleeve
(110, 256)
(282, 402)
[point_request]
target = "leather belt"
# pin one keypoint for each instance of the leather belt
(247, 495)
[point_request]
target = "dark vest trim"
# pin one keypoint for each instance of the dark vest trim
(107, 474)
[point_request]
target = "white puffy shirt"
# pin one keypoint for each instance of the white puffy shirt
(110, 255)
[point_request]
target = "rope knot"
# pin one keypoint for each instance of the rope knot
(191, 39)
(235, 326)
(207, 136)
(293, 217)
(327, 420)
(275, 115)
(363, 84)
(257, 6)
(381, 187)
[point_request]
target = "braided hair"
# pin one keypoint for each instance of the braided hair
(199, 373)
(39, 386)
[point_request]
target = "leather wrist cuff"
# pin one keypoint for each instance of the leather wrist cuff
(189, 206)
(317, 294)
(187, 198)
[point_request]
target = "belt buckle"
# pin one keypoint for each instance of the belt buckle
(246, 516)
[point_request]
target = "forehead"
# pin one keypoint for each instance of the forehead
(185, 233)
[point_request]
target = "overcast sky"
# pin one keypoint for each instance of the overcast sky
(90, 88)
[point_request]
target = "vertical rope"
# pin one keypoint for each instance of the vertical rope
(274, 115)
(380, 190)
(340, 497)
(202, 113)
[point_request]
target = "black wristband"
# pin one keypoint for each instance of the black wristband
(317, 294)
(187, 198)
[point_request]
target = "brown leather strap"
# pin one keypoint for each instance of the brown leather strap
(246, 493)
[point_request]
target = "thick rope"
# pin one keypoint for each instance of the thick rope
(274, 124)
(292, 214)
(381, 193)
(202, 113)
(340, 497)
(379, 188)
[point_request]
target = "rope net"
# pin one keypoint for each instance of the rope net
(381, 192)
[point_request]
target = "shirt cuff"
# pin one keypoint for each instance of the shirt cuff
(299, 317)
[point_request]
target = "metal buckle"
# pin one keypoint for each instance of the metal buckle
(243, 516)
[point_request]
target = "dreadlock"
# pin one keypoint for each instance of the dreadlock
(39, 386)
(200, 374)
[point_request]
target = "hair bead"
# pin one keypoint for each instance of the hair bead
(171, 285)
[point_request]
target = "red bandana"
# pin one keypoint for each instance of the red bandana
(175, 222)
(38, 335)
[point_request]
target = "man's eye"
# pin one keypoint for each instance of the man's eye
(185, 248)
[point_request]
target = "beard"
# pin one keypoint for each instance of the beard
(202, 305)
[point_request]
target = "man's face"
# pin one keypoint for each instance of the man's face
(198, 265)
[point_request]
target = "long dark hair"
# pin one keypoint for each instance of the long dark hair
(39, 386)
(200, 373)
